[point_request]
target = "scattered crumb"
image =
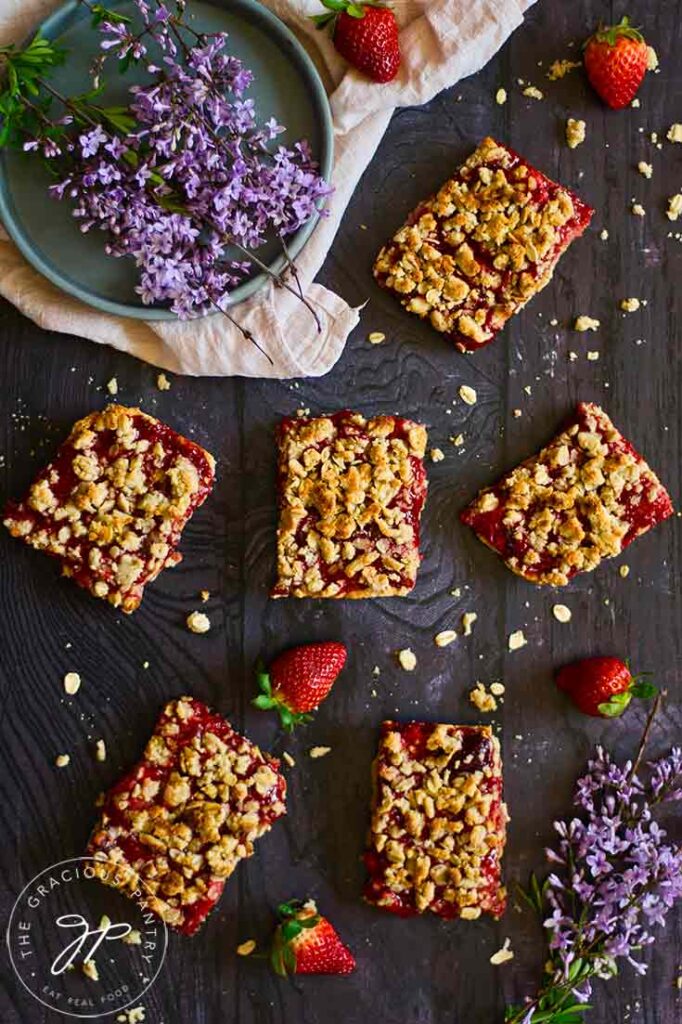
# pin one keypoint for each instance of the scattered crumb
(246, 948)
(651, 59)
(198, 622)
(630, 305)
(458, 440)
(481, 699)
(288, 759)
(133, 938)
(204, 595)
(635, 103)
(517, 640)
(517, 414)
(376, 338)
(592, 356)
(89, 968)
(560, 68)
(638, 210)
(316, 752)
(162, 382)
(468, 620)
(407, 659)
(145, 664)
(112, 386)
(528, 390)
(445, 637)
(575, 133)
(654, 137)
(572, 356)
(562, 613)
(135, 1015)
(503, 955)
(72, 683)
(501, 96)
(62, 760)
(468, 394)
(554, 321)
(100, 750)
(586, 323)
(603, 234)
(674, 133)
(533, 93)
(624, 571)
(497, 689)
(437, 455)
(674, 207)
(104, 921)
(645, 169)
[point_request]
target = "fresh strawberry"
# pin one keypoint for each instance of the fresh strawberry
(602, 687)
(616, 61)
(306, 943)
(299, 680)
(366, 34)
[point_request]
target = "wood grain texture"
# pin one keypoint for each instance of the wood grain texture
(425, 971)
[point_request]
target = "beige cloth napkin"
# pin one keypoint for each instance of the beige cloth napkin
(442, 41)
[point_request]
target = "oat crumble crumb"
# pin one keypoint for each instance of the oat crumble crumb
(575, 133)
(503, 955)
(651, 59)
(376, 338)
(674, 133)
(468, 620)
(112, 386)
(288, 759)
(481, 699)
(533, 93)
(437, 455)
(517, 413)
(638, 210)
(162, 382)
(198, 622)
(62, 760)
(562, 613)
(586, 323)
(100, 750)
(458, 440)
(630, 305)
(560, 68)
(89, 969)
(497, 689)
(517, 640)
(204, 595)
(674, 207)
(407, 659)
(246, 948)
(72, 682)
(592, 356)
(645, 169)
(316, 752)
(501, 96)
(468, 394)
(624, 571)
(445, 637)
(133, 938)
(603, 234)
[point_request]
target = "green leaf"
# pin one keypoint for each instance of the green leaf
(263, 702)
(616, 705)
(355, 11)
(643, 690)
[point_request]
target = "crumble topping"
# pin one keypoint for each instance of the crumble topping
(445, 637)
(72, 683)
(583, 498)
(638, 210)
(162, 382)
(198, 622)
(517, 640)
(376, 338)
(630, 305)
(112, 386)
(437, 454)
(645, 169)
(533, 93)
(178, 824)
(112, 504)
(586, 323)
(482, 699)
(471, 256)
(407, 659)
(468, 620)
(674, 133)
(438, 821)
(468, 394)
(351, 495)
(674, 207)
(501, 97)
(100, 750)
(89, 969)
(246, 948)
(575, 133)
(317, 752)
(560, 68)
(62, 760)
(562, 613)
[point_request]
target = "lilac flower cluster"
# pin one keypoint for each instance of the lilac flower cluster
(615, 876)
(186, 182)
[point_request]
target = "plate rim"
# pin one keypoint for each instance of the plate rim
(253, 285)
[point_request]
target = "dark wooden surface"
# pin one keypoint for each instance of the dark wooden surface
(423, 971)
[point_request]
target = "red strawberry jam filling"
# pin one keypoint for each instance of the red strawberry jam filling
(112, 504)
(471, 256)
(584, 497)
(177, 825)
(438, 823)
(351, 496)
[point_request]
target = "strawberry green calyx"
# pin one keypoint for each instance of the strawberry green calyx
(292, 922)
(612, 33)
(336, 7)
(269, 701)
(618, 702)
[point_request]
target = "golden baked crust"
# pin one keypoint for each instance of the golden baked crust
(584, 497)
(438, 822)
(476, 252)
(178, 824)
(112, 504)
(351, 495)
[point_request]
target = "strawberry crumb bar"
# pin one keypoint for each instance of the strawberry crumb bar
(439, 823)
(584, 497)
(475, 253)
(351, 496)
(114, 501)
(176, 826)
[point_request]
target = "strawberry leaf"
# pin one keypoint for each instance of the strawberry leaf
(616, 705)
(263, 702)
(643, 690)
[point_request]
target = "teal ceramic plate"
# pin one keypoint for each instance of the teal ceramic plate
(286, 86)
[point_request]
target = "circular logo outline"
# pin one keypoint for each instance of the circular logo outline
(49, 1006)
